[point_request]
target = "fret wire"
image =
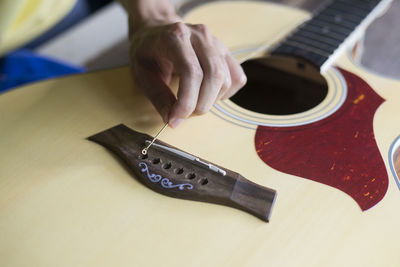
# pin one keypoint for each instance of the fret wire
(320, 38)
(364, 5)
(354, 5)
(360, 4)
(335, 28)
(317, 39)
(349, 16)
(290, 49)
(356, 12)
(307, 48)
(349, 10)
(314, 40)
(345, 19)
(338, 27)
(317, 30)
(311, 56)
(331, 20)
(328, 48)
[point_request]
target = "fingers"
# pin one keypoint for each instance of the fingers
(207, 72)
(216, 78)
(187, 66)
(223, 76)
(238, 78)
(213, 64)
(215, 72)
(152, 84)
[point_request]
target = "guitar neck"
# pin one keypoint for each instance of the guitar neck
(338, 24)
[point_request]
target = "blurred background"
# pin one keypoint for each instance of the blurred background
(42, 39)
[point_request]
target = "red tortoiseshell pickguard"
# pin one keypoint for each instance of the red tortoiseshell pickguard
(339, 150)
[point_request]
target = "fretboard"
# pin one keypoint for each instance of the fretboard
(318, 39)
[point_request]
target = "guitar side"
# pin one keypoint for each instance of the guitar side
(66, 201)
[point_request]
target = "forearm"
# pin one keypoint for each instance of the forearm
(149, 13)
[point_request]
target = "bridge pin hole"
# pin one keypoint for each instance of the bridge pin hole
(143, 156)
(156, 160)
(178, 170)
(191, 176)
(204, 181)
(167, 165)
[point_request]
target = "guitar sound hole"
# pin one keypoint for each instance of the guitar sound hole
(281, 86)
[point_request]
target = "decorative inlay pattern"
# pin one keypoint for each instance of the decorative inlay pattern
(164, 182)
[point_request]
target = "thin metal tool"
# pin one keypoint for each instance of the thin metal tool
(189, 157)
(144, 151)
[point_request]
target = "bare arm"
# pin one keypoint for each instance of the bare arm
(149, 13)
(162, 45)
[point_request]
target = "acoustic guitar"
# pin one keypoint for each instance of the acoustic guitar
(311, 124)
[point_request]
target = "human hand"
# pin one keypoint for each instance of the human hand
(206, 70)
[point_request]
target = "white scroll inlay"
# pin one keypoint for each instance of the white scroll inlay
(165, 182)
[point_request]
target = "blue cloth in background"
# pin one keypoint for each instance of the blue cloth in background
(24, 66)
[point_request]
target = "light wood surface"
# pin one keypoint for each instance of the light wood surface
(65, 201)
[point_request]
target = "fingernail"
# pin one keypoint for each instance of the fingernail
(164, 112)
(175, 122)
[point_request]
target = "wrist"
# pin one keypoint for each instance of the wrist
(149, 15)
(137, 24)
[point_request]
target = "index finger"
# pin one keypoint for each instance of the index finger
(190, 74)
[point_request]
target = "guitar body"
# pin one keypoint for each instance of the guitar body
(65, 201)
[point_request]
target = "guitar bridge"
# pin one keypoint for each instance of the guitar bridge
(175, 173)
